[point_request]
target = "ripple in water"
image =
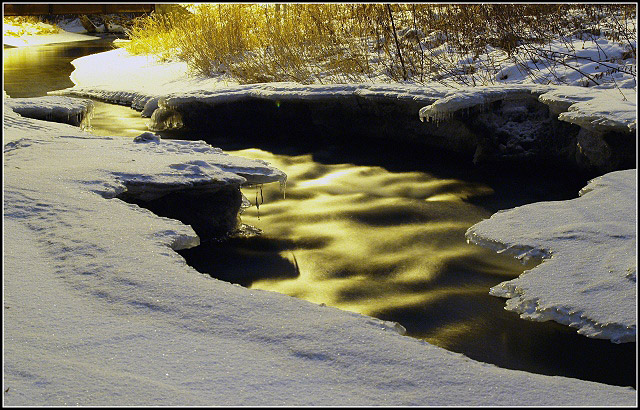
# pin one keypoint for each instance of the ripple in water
(391, 245)
(380, 241)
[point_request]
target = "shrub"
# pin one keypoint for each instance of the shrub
(311, 43)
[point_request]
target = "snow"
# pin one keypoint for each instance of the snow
(140, 81)
(72, 25)
(599, 110)
(32, 40)
(119, 77)
(580, 56)
(74, 111)
(455, 101)
(587, 278)
(99, 309)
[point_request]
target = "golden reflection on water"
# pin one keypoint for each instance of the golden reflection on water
(379, 240)
(34, 70)
(386, 244)
(110, 120)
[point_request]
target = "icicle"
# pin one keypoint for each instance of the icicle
(257, 204)
(283, 187)
(245, 203)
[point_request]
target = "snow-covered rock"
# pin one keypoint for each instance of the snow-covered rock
(587, 278)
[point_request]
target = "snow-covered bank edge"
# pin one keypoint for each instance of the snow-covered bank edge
(587, 278)
(101, 311)
(588, 128)
(63, 37)
(67, 110)
(595, 126)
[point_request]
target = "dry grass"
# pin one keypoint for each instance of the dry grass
(311, 43)
(18, 26)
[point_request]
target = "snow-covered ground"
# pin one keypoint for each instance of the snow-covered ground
(596, 110)
(588, 277)
(23, 35)
(100, 310)
(18, 33)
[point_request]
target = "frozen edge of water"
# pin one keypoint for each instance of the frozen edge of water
(538, 247)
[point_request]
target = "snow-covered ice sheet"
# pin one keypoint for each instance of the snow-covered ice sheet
(74, 111)
(100, 310)
(599, 110)
(140, 81)
(587, 278)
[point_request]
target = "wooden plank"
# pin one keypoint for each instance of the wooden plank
(25, 9)
(77, 8)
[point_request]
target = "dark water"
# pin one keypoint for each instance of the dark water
(373, 228)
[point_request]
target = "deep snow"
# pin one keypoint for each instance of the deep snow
(99, 310)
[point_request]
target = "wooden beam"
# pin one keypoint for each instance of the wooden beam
(74, 8)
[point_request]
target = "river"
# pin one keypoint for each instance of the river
(377, 230)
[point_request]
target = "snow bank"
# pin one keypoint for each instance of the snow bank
(477, 97)
(587, 278)
(119, 77)
(600, 110)
(74, 111)
(513, 127)
(490, 123)
(172, 92)
(603, 110)
(42, 39)
(99, 309)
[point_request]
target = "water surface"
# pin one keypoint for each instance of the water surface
(375, 228)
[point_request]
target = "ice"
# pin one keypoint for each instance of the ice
(74, 111)
(99, 309)
(164, 91)
(600, 110)
(588, 252)
(477, 97)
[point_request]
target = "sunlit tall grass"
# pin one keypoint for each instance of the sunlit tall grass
(316, 43)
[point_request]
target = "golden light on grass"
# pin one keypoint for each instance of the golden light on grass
(341, 43)
(17, 26)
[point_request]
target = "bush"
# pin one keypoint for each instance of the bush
(316, 43)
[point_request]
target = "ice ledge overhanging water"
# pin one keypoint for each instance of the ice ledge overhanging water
(587, 275)
(595, 112)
